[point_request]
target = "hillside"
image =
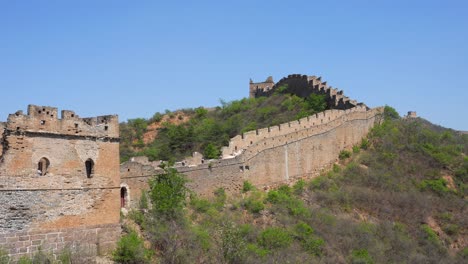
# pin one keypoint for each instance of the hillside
(398, 197)
(176, 135)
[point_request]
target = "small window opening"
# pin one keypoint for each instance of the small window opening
(42, 122)
(247, 167)
(40, 111)
(76, 125)
(43, 166)
(128, 169)
(72, 115)
(48, 112)
(241, 168)
(17, 128)
(89, 164)
(106, 128)
(123, 197)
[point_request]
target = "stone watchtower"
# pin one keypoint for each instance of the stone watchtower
(261, 87)
(58, 178)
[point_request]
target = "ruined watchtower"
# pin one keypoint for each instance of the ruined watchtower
(261, 87)
(59, 181)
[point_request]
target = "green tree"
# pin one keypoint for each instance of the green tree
(211, 151)
(168, 193)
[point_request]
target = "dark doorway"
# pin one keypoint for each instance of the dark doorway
(89, 164)
(42, 166)
(123, 197)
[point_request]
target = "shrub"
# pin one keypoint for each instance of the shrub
(157, 117)
(233, 244)
(130, 249)
(309, 242)
(438, 185)
(4, 258)
(220, 198)
(298, 187)
(137, 216)
(274, 238)
(356, 149)
(26, 260)
(430, 235)
(254, 206)
(211, 151)
(247, 186)
(143, 204)
(199, 204)
(168, 192)
(390, 113)
(361, 256)
(344, 154)
(364, 143)
(451, 229)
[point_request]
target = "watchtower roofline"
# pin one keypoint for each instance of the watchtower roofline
(44, 119)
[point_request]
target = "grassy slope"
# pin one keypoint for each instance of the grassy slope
(399, 198)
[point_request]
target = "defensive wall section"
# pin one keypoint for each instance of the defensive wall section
(303, 86)
(59, 182)
(270, 156)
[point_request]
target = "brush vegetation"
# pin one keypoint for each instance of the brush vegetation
(398, 197)
(208, 130)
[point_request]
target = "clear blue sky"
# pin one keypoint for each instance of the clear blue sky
(134, 58)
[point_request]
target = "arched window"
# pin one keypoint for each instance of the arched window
(89, 164)
(42, 166)
(123, 197)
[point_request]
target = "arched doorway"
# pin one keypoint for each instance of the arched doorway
(89, 164)
(43, 166)
(123, 197)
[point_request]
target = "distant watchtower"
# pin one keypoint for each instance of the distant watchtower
(261, 87)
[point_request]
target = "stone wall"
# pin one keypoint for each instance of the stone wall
(58, 174)
(303, 86)
(270, 158)
(84, 242)
(255, 89)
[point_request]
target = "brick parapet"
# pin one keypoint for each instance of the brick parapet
(44, 120)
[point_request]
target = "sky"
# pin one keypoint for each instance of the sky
(136, 58)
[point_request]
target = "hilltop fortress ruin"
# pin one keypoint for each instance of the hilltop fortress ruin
(61, 184)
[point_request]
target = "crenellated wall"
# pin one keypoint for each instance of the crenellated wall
(271, 156)
(241, 142)
(303, 86)
(57, 176)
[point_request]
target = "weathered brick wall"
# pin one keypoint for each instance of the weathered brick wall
(66, 194)
(86, 242)
(283, 158)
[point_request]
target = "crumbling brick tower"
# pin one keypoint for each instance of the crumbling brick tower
(59, 182)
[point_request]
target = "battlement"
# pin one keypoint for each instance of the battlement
(240, 143)
(44, 119)
(303, 86)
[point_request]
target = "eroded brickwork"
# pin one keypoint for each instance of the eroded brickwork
(59, 174)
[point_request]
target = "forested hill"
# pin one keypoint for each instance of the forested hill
(175, 135)
(398, 197)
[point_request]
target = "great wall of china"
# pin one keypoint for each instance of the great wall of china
(274, 155)
(61, 184)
